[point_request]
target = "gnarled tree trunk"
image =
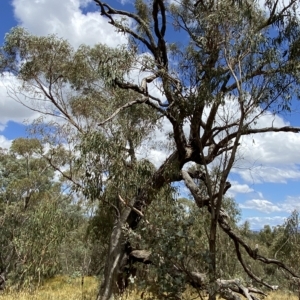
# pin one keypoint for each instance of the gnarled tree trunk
(130, 216)
(116, 254)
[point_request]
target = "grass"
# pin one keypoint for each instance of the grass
(58, 288)
(66, 288)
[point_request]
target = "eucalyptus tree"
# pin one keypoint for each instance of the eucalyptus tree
(74, 88)
(285, 244)
(240, 62)
(35, 215)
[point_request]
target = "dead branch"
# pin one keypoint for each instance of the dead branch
(196, 191)
(129, 104)
(107, 11)
(126, 203)
(237, 239)
(224, 142)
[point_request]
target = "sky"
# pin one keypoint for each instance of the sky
(266, 177)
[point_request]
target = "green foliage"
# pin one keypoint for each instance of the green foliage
(176, 233)
(55, 60)
(36, 215)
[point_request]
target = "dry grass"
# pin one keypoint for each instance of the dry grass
(58, 288)
(281, 296)
(65, 288)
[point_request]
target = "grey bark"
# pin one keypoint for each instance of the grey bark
(115, 256)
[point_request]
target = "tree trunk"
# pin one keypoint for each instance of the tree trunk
(212, 263)
(116, 254)
(117, 248)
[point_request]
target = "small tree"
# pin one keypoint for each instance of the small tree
(35, 217)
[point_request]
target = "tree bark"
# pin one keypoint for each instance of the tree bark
(117, 249)
(116, 254)
(212, 254)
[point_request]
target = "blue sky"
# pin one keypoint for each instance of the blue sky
(266, 178)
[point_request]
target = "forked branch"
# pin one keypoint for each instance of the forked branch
(235, 237)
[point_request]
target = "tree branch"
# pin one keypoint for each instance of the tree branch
(129, 104)
(150, 45)
(196, 191)
(126, 203)
(224, 224)
(224, 142)
(161, 56)
(222, 220)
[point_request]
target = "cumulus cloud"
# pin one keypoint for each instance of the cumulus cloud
(256, 223)
(237, 188)
(261, 205)
(67, 20)
(11, 110)
(4, 142)
(287, 206)
(269, 157)
(276, 174)
(271, 148)
(291, 203)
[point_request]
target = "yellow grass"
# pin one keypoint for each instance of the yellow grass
(281, 296)
(65, 288)
(58, 288)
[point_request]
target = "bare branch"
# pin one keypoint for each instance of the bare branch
(222, 220)
(66, 176)
(129, 104)
(274, 17)
(126, 203)
(142, 90)
(196, 191)
(139, 20)
(273, 129)
(161, 57)
(224, 142)
(150, 45)
(246, 269)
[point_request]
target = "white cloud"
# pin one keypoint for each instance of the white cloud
(11, 110)
(260, 194)
(66, 20)
(156, 157)
(261, 205)
(269, 157)
(290, 204)
(123, 2)
(238, 188)
(257, 223)
(270, 174)
(271, 148)
(4, 142)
